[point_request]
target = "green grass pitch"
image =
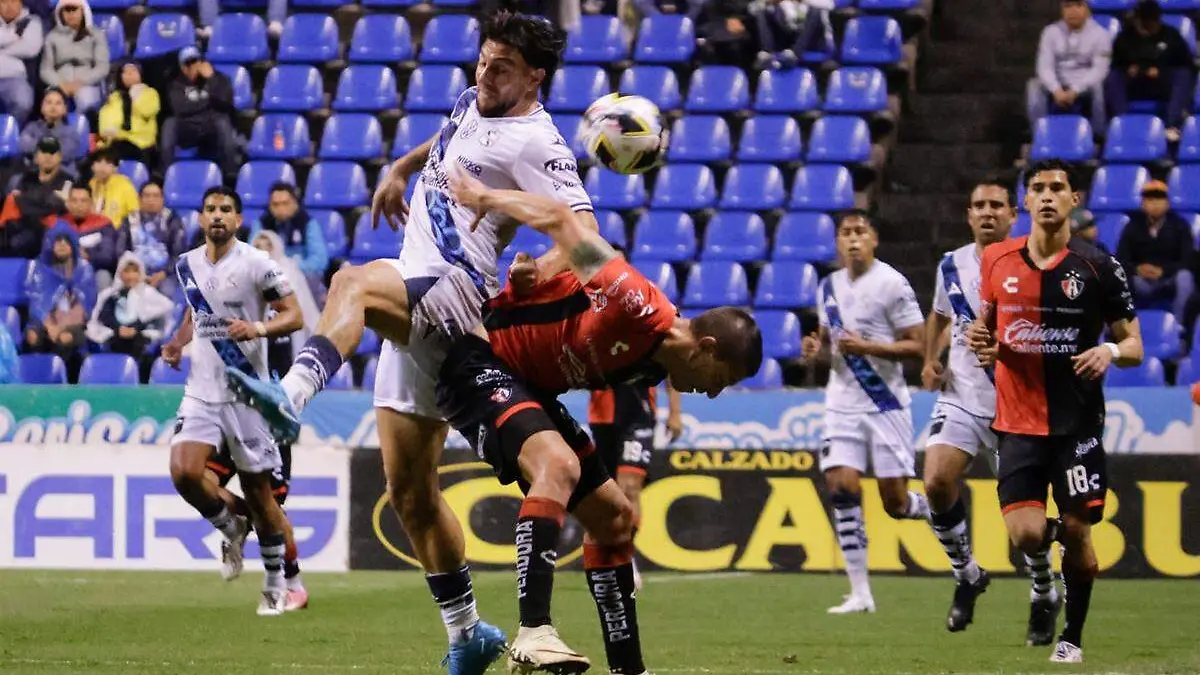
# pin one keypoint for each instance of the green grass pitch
(378, 622)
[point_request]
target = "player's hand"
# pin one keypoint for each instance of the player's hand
(810, 346)
(1093, 363)
(242, 330)
(172, 354)
(854, 344)
(523, 274)
(389, 201)
(979, 337)
(987, 355)
(933, 375)
(675, 425)
(127, 332)
(468, 191)
(1152, 73)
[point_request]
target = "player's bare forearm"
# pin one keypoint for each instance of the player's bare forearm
(288, 317)
(586, 250)
(414, 160)
(555, 261)
(1128, 334)
(937, 336)
(910, 344)
(183, 334)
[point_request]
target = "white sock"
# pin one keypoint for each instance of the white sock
(272, 549)
(300, 385)
(225, 522)
(852, 538)
(295, 583)
(1042, 576)
(918, 506)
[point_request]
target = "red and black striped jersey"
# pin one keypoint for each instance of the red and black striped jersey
(602, 408)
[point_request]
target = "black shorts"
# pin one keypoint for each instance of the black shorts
(222, 465)
(497, 413)
(626, 443)
(1073, 465)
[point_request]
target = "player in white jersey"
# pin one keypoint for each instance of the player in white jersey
(229, 286)
(499, 133)
(962, 416)
(870, 318)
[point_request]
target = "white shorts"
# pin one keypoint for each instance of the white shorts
(958, 428)
(885, 437)
(239, 427)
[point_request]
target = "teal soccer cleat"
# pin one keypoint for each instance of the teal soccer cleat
(269, 399)
(473, 655)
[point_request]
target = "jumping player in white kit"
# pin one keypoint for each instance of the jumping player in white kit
(869, 315)
(499, 133)
(229, 286)
(962, 416)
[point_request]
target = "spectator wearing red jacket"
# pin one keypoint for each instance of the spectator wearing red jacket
(99, 241)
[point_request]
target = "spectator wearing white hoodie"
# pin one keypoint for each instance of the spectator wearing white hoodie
(131, 313)
(1072, 62)
(75, 58)
(20, 40)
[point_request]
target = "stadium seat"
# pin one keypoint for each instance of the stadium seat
(451, 38)
(688, 187)
(1184, 185)
(239, 77)
(656, 83)
(371, 243)
(343, 379)
(1179, 6)
(1187, 372)
(806, 237)
(662, 275)
(238, 38)
(528, 240)
(413, 130)
(191, 223)
(569, 126)
(1186, 28)
(369, 344)
(112, 5)
(769, 376)
(713, 284)
(610, 190)
(434, 88)
(254, 180)
(1189, 143)
(855, 90)
(336, 185)
(390, 4)
(12, 281)
(366, 88)
(161, 373)
(785, 285)
(753, 187)
(737, 236)
(839, 139)
(381, 38)
(279, 136)
(612, 228)
(769, 138)
(1149, 374)
(1065, 137)
(873, 40)
(665, 38)
(114, 30)
(596, 39)
(787, 91)
(170, 4)
(1109, 227)
(1112, 6)
(161, 34)
(1135, 139)
(718, 89)
(1161, 334)
(574, 88)
(10, 136)
(108, 369)
(368, 378)
(326, 5)
(356, 136)
(888, 5)
(823, 48)
(781, 333)
(308, 38)
(1022, 225)
(669, 236)
(1118, 188)
(822, 188)
(186, 181)
(1110, 23)
(43, 369)
(293, 88)
(10, 320)
(699, 138)
(82, 127)
(335, 231)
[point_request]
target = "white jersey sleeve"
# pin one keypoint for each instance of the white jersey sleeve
(903, 311)
(546, 167)
(822, 317)
(941, 301)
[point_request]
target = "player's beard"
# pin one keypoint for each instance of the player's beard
(499, 108)
(220, 235)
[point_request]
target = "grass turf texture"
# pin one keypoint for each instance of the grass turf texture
(379, 622)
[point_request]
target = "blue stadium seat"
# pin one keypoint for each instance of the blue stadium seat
(1118, 188)
(1179, 6)
(239, 77)
(10, 320)
(335, 231)
(369, 244)
(823, 48)
(738, 236)
(191, 223)
(135, 171)
(612, 228)
(238, 38)
(186, 181)
(113, 5)
(596, 39)
(161, 34)
(279, 136)
(1189, 143)
(336, 185)
(669, 236)
(1183, 184)
(1149, 374)
(1065, 137)
(839, 139)
(82, 127)
(888, 5)
(161, 373)
(569, 126)
(343, 379)
(787, 91)
(699, 138)
(574, 88)
(1022, 225)
(114, 30)
(390, 4)
(781, 333)
(660, 274)
(356, 136)
(413, 130)
(255, 178)
(434, 88)
(108, 369)
(1135, 139)
(822, 188)
(293, 88)
(1109, 227)
(327, 5)
(381, 38)
(769, 138)
(1161, 334)
(528, 240)
(451, 38)
(856, 89)
(1187, 372)
(1110, 23)
(308, 38)
(43, 369)
(688, 187)
(718, 89)
(1112, 6)
(665, 38)
(366, 88)
(873, 40)
(656, 83)
(753, 187)
(369, 344)
(170, 4)
(10, 136)
(1186, 28)
(806, 237)
(713, 284)
(610, 190)
(785, 285)
(769, 376)
(368, 379)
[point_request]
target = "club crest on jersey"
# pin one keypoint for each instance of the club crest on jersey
(501, 395)
(488, 138)
(1072, 285)
(468, 130)
(599, 301)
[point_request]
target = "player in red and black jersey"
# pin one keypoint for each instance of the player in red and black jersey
(1046, 300)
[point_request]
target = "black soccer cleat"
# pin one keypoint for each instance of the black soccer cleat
(1043, 618)
(962, 608)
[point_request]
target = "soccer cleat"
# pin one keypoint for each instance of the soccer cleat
(1196, 393)
(296, 599)
(269, 399)
(232, 550)
(272, 603)
(637, 578)
(1043, 617)
(1065, 652)
(540, 650)
(473, 655)
(962, 608)
(854, 604)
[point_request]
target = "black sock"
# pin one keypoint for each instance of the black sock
(291, 560)
(1079, 598)
(610, 578)
(538, 528)
(1054, 532)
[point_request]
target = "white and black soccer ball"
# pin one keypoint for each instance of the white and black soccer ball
(625, 133)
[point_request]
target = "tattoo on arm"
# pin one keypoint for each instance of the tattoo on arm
(589, 255)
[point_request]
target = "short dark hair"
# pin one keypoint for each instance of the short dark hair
(739, 340)
(994, 181)
(843, 216)
(223, 191)
(108, 155)
(81, 186)
(282, 186)
(155, 181)
(1049, 165)
(539, 41)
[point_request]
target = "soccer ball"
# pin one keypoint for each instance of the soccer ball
(624, 133)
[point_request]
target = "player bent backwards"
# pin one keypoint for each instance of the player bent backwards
(228, 285)
(603, 324)
(1046, 299)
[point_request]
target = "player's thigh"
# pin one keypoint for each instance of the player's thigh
(890, 434)
(411, 448)
(1080, 476)
(606, 514)
(197, 436)
(250, 441)
(844, 452)
(380, 286)
(1023, 481)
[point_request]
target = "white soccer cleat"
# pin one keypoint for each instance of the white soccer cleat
(232, 550)
(540, 650)
(273, 603)
(1065, 652)
(854, 604)
(638, 582)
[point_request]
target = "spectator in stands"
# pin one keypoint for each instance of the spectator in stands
(1083, 225)
(10, 363)
(158, 236)
(61, 290)
(129, 119)
(608, 7)
(209, 10)
(787, 29)
(53, 122)
(99, 241)
(723, 32)
(1152, 62)
(113, 192)
(130, 314)
(20, 41)
(272, 244)
(36, 195)
(201, 101)
(691, 8)
(303, 239)
(1156, 250)
(1072, 62)
(75, 58)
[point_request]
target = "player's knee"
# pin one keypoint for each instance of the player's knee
(416, 505)
(940, 491)
(562, 469)
(1030, 539)
(346, 283)
(615, 531)
(186, 477)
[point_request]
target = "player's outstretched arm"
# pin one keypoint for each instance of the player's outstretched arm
(1126, 352)
(909, 344)
(388, 200)
(937, 338)
(172, 350)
